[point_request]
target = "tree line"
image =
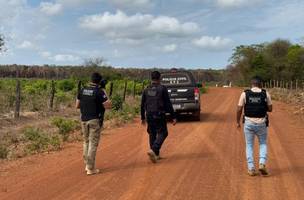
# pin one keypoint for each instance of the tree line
(109, 73)
(277, 60)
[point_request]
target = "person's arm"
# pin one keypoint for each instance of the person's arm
(77, 105)
(239, 115)
(168, 105)
(107, 103)
(142, 107)
(240, 107)
(269, 102)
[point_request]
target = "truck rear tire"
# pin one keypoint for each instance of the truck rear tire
(197, 115)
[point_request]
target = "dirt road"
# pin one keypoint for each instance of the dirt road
(202, 160)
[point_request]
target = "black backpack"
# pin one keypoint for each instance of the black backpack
(154, 99)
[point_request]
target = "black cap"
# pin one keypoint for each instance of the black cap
(155, 76)
(96, 78)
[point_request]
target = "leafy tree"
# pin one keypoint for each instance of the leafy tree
(277, 60)
(295, 58)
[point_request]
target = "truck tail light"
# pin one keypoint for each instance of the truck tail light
(196, 94)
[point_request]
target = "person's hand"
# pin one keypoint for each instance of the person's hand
(143, 122)
(174, 121)
(107, 104)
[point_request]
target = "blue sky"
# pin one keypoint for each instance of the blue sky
(143, 33)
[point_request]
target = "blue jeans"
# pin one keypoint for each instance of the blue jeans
(251, 130)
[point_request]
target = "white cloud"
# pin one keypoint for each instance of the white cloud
(59, 58)
(10, 10)
(45, 54)
(136, 27)
(50, 8)
(212, 43)
(26, 45)
(169, 48)
(65, 58)
(235, 3)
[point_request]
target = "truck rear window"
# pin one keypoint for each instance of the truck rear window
(175, 79)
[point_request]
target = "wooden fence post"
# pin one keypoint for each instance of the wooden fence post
(277, 84)
(270, 84)
(52, 95)
(111, 89)
(125, 91)
(18, 100)
(291, 85)
(296, 85)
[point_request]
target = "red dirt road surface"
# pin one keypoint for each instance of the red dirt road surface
(202, 160)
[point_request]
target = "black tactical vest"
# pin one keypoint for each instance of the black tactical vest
(154, 99)
(89, 106)
(256, 104)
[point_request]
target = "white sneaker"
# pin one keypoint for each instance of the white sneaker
(93, 171)
(152, 156)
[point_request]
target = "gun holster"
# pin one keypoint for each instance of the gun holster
(267, 121)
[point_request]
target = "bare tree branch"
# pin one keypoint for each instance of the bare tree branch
(94, 62)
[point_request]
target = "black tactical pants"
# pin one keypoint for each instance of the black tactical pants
(158, 132)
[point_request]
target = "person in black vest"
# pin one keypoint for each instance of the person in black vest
(92, 101)
(154, 106)
(256, 103)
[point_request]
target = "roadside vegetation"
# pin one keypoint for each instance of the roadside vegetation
(61, 130)
(293, 97)
(279, 60)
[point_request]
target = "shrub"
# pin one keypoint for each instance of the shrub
(55, 142)
(203, 90)
(66, 85)
(35, 87)
(3, 152)
(65, 126)
(38, 141)
(61, 97)
(117, 102)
